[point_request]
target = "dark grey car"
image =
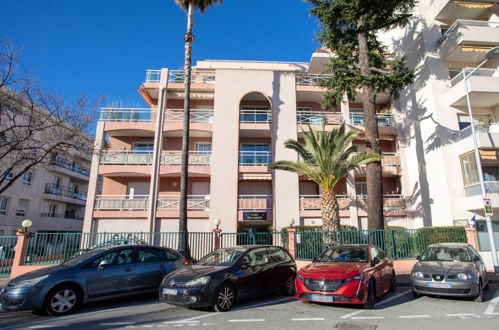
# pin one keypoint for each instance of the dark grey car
(95, 275)
(450, 269)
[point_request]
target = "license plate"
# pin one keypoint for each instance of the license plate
(439, 285)
(171, 292)
(321, 298)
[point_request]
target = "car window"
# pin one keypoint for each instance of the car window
(343, 254)
(276, 254)
(474, 253)
(171, 256)
(119, 257)
(258, 257)
(446, 254)
(381, 254)
(222, 257)
(151, 255)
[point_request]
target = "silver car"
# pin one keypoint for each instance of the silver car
(449, 269)
(95, 275)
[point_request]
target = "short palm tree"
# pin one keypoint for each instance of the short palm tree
(325, 158)
(188, 6)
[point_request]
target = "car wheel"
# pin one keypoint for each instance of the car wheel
(369, 304)
(479, 297)
(289, 288)
(225, 297)
(393, 283)
(62, 300)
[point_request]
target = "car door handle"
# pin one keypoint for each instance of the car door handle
(128, 269)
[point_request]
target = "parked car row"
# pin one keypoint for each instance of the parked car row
(345, 274)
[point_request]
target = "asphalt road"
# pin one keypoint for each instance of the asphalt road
(393, 311)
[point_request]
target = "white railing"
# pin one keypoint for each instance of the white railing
(194, 202)
(313, 202)
(195, 158)
(318, 118)
(197, 76)
(196, 116)
(128, 114)
(254, 158)
(153, 75)
(255, 116)
(478, 73)
(386, 196)
(308, 79)
(255, 202)
(357, 119)
(491, 187)
(465, 22)
(121, 202)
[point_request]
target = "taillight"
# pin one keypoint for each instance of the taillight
(185, 262)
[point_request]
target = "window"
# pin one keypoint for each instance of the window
(57, 181)
(490, 173)
(468, 168)
(465, 122)
(454, 72)
(151, 255)
(203, 147)
(145, 147)
(255, 154)
(361, 190)
(8, 176)
(3, 205)
(52, 210)
(27, 178)
(22, 207)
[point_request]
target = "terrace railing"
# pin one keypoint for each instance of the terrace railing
(195, 158)
(54, 189)
(194, 202)
(255, 116)
(491, 187)
(358, 119)
(478, 73)
(197, 116)
(318, 118)
(128, 114)
(122, 202)
(153, 75)
(255, 202)
(465, 23)
(197, 76)
(126, 157)
(313, 202)
(255, 158)
(308, 79)
(61, 216)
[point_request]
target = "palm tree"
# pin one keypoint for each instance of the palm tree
(325, 158)
(188, 6)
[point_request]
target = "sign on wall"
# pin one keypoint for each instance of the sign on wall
(254, 216)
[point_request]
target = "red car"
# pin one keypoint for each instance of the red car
(347, 274)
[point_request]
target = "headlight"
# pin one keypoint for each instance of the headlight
(198, 281)
(463, 276)
(31, 282)
(358, 277)
(418, 274)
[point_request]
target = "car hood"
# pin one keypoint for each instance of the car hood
(443, 266)
(194, 271)
(333, 270)
(38, 273)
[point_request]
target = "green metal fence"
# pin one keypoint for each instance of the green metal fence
(397, 243)
(233, 239)
(54, 248)
(7, 247)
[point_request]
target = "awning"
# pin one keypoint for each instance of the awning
(468, 4)
(481, 49)
(489, 154)
(255, 176)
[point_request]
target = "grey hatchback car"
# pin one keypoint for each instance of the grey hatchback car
(95, 275)
(450, 269)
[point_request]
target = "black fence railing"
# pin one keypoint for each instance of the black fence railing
(61, 216)
(54, 189)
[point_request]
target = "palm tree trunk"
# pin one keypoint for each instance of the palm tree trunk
(184, 173)
(330, 212)
(374, 170)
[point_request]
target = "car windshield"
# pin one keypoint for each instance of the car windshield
(76, 260)
(446, 254)
(343, 254)
(222, 257)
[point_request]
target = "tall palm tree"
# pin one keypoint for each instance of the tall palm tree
(188, 6)
(325, 158)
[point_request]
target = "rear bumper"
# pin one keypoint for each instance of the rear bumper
(449, 289)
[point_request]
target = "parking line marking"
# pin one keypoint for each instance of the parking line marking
(391, 298)
(413, 316)
(491, 307)
(346, 316)
(262, 304)
(248, 320)
(309, 319)
(191, 319)
(463, 314)
(367, 317)
(48, 326)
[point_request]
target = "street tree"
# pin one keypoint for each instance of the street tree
(36, 126)
(326, 158)
(360, 61)
(189, 6)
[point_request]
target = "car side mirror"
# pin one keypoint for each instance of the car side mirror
(418, 257)
(103, 264)
(476, 258)
(375, 261)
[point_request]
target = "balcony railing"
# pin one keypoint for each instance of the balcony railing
(466, 23)
(255, 202)
(478, 73)
(53, 189)
(71, 167)
(255, 158)
(318, 118)
(194, 202)
(357, 119)
(313, 202)
(390, 201)
(197, 116)
(120, 157)
(121, 202)
(308, 79)
(153, 75)
(255, 116)
(61, 216)
(178, 76)
(491, 187)
(128, 114)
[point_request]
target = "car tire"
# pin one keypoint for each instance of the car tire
(479, 297)
(371, 294)
(415, 294)
(393, 283)
(224, 298)
(289, 287)
(62, 299)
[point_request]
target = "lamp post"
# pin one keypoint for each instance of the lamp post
(217, 222)
(291, 222)
(491, 54)
(26, 224)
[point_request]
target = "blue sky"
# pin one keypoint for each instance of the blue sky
(104, 47)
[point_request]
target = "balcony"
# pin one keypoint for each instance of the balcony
(313, 202)
(65, 216)
(393, 205)
(467, 40)
(118, 157)
(357, 119)
(194, 202)
(64, 194)
(483, 88)
(69, 169)
(122, 202)
(318, 118)
(447, 11)
(255, 116)
(255, 158)
(128, 114)
(308, 79)
(178, 76)
(473, 195)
